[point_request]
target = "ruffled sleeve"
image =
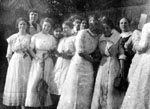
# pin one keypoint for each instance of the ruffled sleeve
(80, 41)
(10, 44)
(136, 38)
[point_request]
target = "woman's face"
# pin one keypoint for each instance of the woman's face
(124, 25)
(107, 29)
(83, 24)
(66, 30)
(33, 16)
(92, 21)
(46, 27)
(22, 25)
(57, 33)
(76, 23)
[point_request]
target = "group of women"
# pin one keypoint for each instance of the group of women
(58, 70)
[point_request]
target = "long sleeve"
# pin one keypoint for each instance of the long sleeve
(143, 43)
(136, 38)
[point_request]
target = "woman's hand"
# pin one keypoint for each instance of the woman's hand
(87, 57)
(67, 55)
(56, 53)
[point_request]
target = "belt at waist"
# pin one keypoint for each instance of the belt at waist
(24, 53)
(43, 54)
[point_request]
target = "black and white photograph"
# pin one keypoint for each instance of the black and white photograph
(74, 54)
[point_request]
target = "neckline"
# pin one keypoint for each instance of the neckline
(126, 34)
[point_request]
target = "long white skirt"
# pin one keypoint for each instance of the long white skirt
(32, 99)
(16, 80)
(77, 89)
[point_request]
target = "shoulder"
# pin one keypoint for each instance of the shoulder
(51, 37)
(83, 32)
(146, 29)
(36, 35)
(115, 32)
(146, 25)
(28, 37)
(12, 37)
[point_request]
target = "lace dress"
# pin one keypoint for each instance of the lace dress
(62, 64)
(78, 86)
(18, 70)
(105, 96)
(42, 44)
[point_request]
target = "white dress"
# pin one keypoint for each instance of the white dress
(61, 67)
(41, 43)
(138, 93)
(135, 61)
(18, 70)
(105, 96)
(78, 86)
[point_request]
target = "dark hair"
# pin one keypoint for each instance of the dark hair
(21, 19)
(68, 23)
(85, 19)
(72, 18)
(33, 10)
(108, 22)
(92, 16)
(49, 20)
(56, 26)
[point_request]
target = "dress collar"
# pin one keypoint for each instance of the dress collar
(126, 34)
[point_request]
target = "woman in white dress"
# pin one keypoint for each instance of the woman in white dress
(105, 95)
(135, 61)
(77, 89)
(19, 66)
(43, 44)
(65, 52)
(138, 93)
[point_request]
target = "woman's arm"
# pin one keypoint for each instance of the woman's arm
(87, 57)
(32, 47)
(122, 57)
(142, 45)
(31, 52)
(81, 47)
(9, 48)
(65, 55)
(9, 52)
